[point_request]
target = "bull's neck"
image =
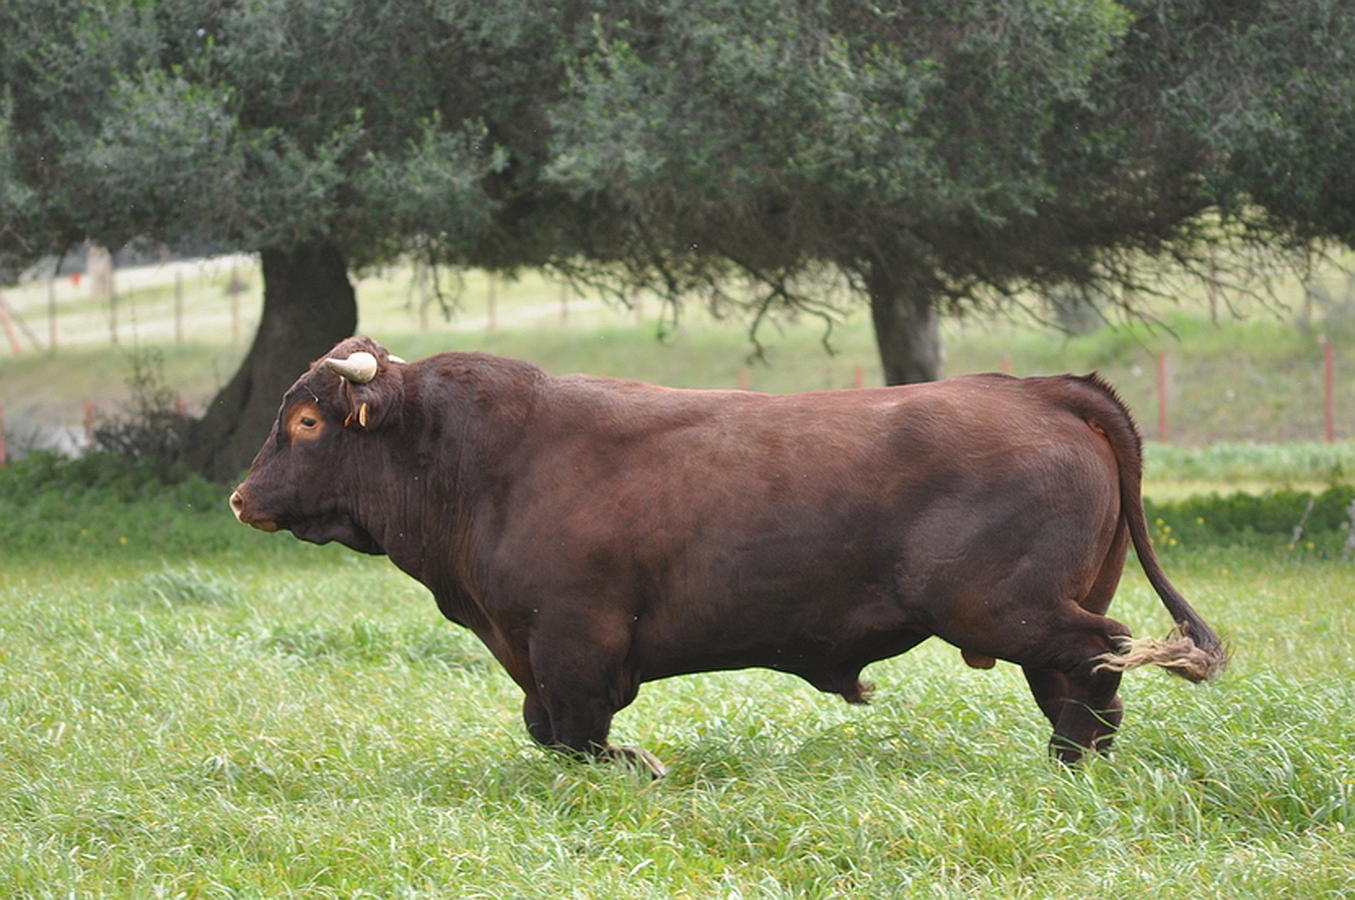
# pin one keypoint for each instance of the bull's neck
(445, 475)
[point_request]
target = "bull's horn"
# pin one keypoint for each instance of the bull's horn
(359, 368)
(395, 359)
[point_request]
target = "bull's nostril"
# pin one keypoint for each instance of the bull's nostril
(237, 503)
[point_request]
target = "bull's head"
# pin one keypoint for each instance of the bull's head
(306, 476)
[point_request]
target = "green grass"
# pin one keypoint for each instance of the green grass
(227, 713)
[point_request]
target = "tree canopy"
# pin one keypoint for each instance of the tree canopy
(321, 134)
(945, 154)
(931, 155)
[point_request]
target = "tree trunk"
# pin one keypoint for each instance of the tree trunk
(907, 326)
(308, 307)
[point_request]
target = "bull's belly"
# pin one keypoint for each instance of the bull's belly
(827, 643)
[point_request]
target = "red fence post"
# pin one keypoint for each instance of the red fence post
(1328, 392)
(859, 377)
(743, 379)
(1162, 397)
(8, 323)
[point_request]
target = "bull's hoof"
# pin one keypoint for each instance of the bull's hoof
(640, 758)
(1071, 753)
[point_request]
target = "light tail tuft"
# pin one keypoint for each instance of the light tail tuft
(1177, 653)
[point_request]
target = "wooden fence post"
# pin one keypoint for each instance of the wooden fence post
(113, 319)
(743, 379)
(234, 288)
(51, 313)
(1328, 391)
(178, 306)
(1162, 397)
(492, 314)
(8, 323)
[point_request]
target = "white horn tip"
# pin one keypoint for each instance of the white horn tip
(358, 368)
(395, 359)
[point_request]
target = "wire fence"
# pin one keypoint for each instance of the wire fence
(1177, 397)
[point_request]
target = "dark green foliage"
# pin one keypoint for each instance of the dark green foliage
(1278, 516)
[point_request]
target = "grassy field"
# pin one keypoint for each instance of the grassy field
(192, 708)
(195, 709)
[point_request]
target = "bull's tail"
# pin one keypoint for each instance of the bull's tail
(1192, 650)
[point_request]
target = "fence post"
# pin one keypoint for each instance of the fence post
(743, 379)
(492, 291)
(234, 288)
(859, 376)
(1328, 391)
(9, 328)
(89, 423)
(51, 313)
(1162, 397)
(178, 306)
(1006, 365)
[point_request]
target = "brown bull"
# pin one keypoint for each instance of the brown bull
(597, 534)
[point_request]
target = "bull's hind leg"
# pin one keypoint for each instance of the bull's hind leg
(1050, 690)
(1091, 714)
(1074, 692)
(1053, 690)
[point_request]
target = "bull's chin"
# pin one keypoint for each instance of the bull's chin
(346, 533)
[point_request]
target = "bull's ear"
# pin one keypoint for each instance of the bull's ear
(374, 391)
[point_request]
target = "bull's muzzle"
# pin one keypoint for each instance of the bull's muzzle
(240, 507)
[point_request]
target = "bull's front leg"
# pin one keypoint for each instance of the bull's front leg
(579, 681)
(539, 726)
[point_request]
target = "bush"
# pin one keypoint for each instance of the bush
(151, 430)
(101, 501)
(1284, 516)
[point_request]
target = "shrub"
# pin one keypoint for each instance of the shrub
(102, 502)
(151, 430)
(1276, 516)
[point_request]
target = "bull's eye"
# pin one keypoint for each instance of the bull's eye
(304, 423)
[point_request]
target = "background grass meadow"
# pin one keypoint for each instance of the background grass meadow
(1233, 379)
(192, 708)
